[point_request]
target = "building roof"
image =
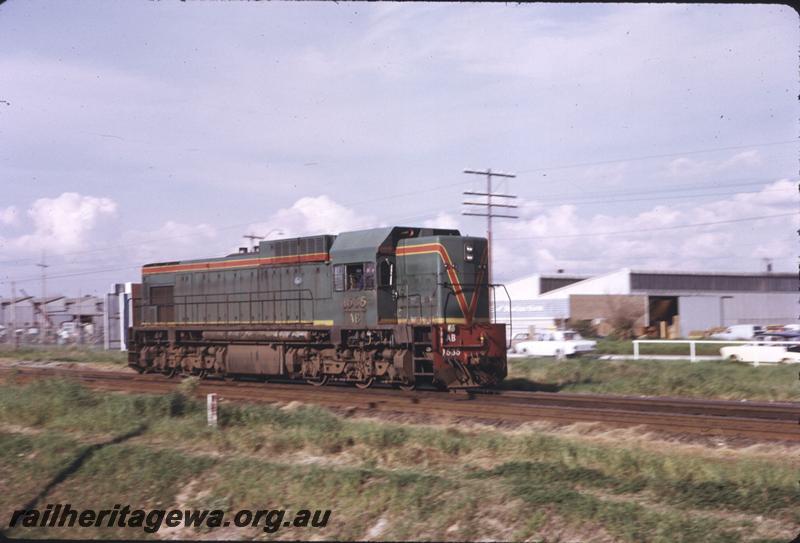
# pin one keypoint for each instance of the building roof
(627, 281)
(533, 285)
(31, 300)
(728, 274)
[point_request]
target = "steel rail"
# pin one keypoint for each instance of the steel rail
(756, 420)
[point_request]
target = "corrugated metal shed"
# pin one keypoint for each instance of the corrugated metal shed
(714, 282)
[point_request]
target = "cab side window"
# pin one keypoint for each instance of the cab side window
(369, 275)
(359, 276)
(355, 277)
(338, 277)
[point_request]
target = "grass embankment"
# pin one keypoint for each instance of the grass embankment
(707, 379)
(63, 354)
(620, 346)
(383, 481)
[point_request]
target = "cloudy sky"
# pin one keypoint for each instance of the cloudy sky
(643, 136)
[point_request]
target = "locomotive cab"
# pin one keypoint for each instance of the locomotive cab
(442, 281)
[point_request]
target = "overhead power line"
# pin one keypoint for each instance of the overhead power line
(688, 188)
(655, 229)
(659, 198)
(663, 155)
(132, 244)
(74, 274)
(544, 199)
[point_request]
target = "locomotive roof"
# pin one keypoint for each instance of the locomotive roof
(283, 251)
(355, 246)
(362, 245)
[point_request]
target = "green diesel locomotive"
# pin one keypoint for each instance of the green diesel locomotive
(396, 305)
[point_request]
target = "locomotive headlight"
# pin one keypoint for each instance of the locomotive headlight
(451, 327)
(469, 254)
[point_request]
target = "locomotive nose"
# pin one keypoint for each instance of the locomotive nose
(471, 355)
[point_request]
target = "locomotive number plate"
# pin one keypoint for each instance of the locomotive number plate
(354, 309)
(355, 304)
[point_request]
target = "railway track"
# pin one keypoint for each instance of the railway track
(757, 421)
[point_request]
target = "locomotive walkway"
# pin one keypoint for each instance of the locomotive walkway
(756, 421)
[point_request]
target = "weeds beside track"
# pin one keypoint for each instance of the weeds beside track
(760, 421)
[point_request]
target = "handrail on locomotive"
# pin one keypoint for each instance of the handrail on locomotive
(493, 286)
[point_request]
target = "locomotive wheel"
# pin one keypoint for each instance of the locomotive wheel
(318, 382)
(365, 384)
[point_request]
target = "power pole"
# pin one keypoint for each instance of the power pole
(252, 238)
(14, 312)
(43, 307)
(490, 214)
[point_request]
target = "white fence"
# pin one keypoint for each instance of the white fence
(693, 342)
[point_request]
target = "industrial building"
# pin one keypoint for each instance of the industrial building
(30, 317)
(673, 303)
(85, 320)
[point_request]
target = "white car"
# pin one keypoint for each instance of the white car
(738, 331)
(761, 349)
(517, 339)
(556, 343)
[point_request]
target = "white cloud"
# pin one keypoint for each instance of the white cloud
(64, 223)
(781, 193)
(172, 241)
(546, 239)
(183, 241)
(688, 167)
(9, 216)
(311, 216)
(443, 220)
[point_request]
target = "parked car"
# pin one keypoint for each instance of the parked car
(738, 332)
(556, 343)
(522, 336)
(761, 350)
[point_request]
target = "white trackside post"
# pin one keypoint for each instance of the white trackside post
(212, 409)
